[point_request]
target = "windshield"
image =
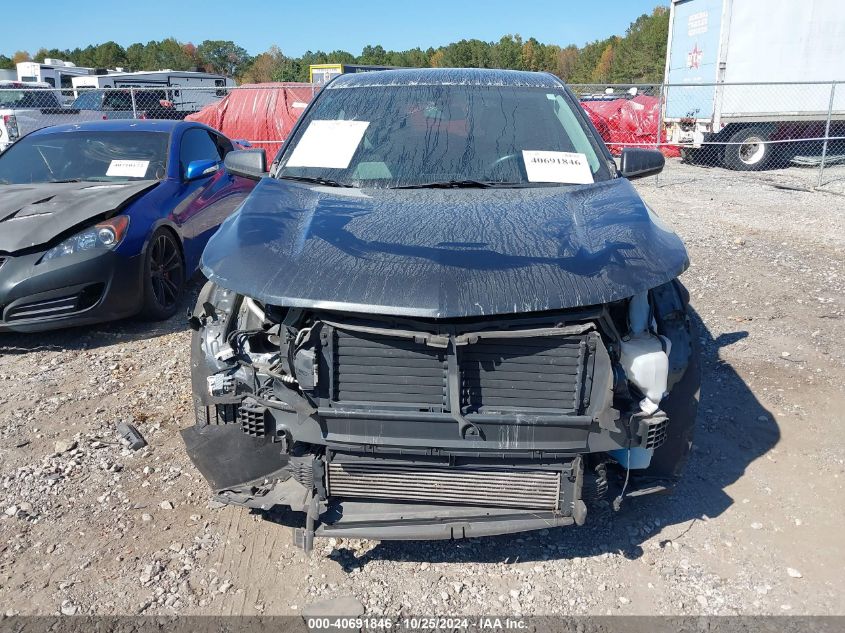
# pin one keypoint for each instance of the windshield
(88, 100)
(82, 155)
(424, 135)
(29, 98)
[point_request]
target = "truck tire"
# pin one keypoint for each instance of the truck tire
(749, 149)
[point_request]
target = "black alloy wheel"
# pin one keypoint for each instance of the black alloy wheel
(164, 276)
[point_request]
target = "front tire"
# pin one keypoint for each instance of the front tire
(164, 276)
(749, 149)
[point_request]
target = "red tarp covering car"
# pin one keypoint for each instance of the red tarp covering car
(629, 123)
(262, 114)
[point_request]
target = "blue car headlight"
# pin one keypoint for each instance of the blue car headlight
(106, 235)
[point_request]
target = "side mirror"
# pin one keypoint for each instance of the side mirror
(201, 168)
(249, 163)
(638, 163)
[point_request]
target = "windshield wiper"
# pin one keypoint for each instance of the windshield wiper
(461, 184)
(328, 182)
(66, 180)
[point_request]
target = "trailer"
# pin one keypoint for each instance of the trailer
(187, 91)
(752, 76)
(54, 72)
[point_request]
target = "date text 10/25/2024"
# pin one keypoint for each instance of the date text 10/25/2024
(417, 623)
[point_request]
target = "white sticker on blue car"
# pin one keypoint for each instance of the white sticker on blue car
(128, 168)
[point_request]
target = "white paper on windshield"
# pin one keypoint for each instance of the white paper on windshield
(571, 168)
(329, 144)
(128, 168)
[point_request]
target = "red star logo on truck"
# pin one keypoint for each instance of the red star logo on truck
(694, 57)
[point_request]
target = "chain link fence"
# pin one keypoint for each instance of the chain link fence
(792, 135)
(261, 115)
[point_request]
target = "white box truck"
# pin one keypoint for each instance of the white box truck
(733, 69)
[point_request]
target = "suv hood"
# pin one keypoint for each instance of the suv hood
(32, 215)
(442, 252)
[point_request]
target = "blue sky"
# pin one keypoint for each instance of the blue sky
(298, 26)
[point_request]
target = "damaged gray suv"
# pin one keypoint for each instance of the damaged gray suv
(445, 313)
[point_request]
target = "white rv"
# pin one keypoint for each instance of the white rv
(189, 91)
(55, 72)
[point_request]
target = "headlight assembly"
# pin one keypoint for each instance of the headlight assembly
(106, 235)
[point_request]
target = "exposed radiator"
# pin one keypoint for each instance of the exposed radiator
(530, 489)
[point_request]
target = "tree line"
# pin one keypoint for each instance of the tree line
(636, 57)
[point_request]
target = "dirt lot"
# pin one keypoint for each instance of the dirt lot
(755, 528)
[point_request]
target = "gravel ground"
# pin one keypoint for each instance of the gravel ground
(89, 527)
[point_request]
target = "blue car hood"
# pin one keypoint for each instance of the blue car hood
(442, 253)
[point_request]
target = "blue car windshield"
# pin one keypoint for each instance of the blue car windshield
(85, 156)
(442, 135)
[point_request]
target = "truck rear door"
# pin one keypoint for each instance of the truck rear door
(693, 58)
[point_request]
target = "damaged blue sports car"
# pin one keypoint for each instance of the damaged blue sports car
(107, 219)
(445, 313)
